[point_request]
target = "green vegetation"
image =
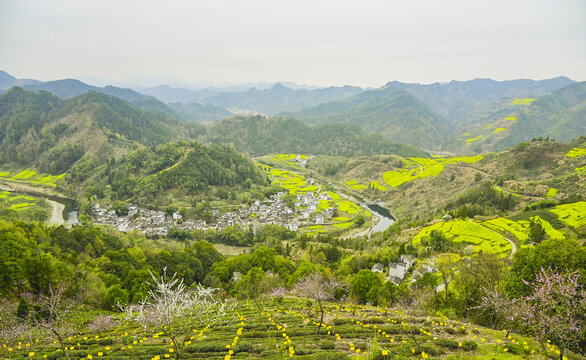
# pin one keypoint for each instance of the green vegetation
(394, 113)
(31, 177)
(467, 233)
(576, 152)
(297, 184)
(423, 168)
(257, 135)
(573, 215)
(524, 101)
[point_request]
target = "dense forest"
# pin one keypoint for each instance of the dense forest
(257, 135)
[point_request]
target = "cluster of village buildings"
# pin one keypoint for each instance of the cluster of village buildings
(398, 270)
(271, 211)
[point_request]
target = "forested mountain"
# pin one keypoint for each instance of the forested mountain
(394, 113)
(279, 98)
(560, 115)
(198, 112)
(258, 135)
(456, 99)
(51, 134)
(187, 167)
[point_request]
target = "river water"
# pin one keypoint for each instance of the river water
(385, 218)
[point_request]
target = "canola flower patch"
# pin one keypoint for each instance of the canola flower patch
(423, 168)
(498, 130)
(503, 226)
(295, 183)
(469, 233)
(523, 101)
(31, 177)
(576, 152)
(573, 215)
(474, 139)
(15, 201)
(551, 192)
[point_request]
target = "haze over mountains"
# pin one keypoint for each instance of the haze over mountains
(459, 116)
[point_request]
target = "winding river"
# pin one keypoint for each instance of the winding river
(385, 218)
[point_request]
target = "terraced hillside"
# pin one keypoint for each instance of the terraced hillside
(288, 328)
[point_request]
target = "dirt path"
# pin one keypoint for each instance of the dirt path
(56, 213)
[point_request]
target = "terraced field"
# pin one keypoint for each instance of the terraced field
(420, 168)
(573, 215)
(30, 176)
(17, 202)
(288, 328)
(298, 184)
(468, 233)
(288, 159)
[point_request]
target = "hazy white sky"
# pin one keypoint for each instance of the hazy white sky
(316, 42)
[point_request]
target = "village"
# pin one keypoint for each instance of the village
(271, 211)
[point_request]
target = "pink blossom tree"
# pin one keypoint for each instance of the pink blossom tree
(553, 311)
(320, 288)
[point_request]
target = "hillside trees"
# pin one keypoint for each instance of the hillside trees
(174, 310)
(553, 310)
(319, 288)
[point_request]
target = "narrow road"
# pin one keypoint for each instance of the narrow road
(56, 213)
(513, 246)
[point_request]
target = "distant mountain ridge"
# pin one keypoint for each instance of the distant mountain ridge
(68, 88)
(393, 113)
(279, 98)
(560, 115)
(7, 81)
(458, 98)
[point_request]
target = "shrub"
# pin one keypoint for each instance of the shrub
(330, 356)
(469, 345)
(447, 343)
(327, 345)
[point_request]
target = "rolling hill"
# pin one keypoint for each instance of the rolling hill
(393, 113)
(43, 131)
(258, 135)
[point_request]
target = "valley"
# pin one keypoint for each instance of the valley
(324, 229)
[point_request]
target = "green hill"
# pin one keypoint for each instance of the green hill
(393, 113)
(42, 131)
(257, 135)
(187, 168)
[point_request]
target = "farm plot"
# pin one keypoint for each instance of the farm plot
(523, 101)
(468, 233)
(576, 152)
(282, 329)
(289, 159)
(16, 202)
(31, 177)
(298, 184)
(573, 215)
(423, 168)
